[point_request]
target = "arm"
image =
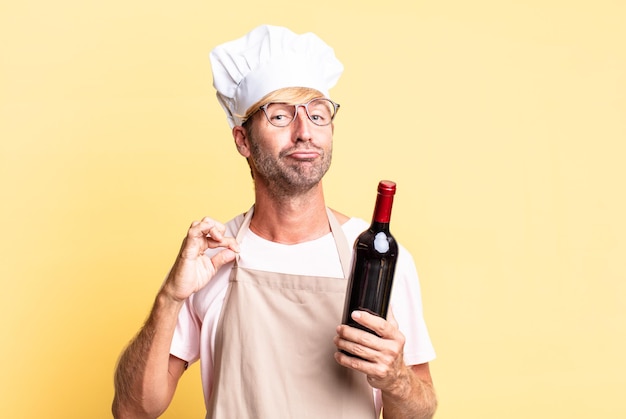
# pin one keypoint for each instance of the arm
(146, 374)
(415, 399)
(407, 391)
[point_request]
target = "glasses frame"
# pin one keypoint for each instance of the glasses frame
(306, 109)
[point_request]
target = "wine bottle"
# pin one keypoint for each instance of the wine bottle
(374, 262)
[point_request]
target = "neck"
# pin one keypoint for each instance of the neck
(290, 220)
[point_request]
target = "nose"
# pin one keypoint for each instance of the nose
(302, 124)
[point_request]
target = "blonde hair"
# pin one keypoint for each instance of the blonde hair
(289, 95)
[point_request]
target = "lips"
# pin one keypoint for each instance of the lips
(304, 154)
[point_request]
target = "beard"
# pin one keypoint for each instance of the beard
(288, 177)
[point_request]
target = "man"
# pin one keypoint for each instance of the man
(258, 300)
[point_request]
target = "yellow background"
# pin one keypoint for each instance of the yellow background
(503, 123)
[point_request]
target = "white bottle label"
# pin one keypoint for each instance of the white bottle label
(380, 243)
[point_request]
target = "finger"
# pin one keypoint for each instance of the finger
(206, 227)
(353, 362)
(380, 326)
(230, 243)
(359, 342)
(210, 228)
(357, 345)
(212, 233)
(222, 258)
(216, 238)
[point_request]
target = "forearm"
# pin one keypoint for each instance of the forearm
(411, 398)
(143, 385)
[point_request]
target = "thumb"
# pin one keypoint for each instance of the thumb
(222, 258)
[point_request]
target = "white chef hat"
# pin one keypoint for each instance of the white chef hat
(267, 59)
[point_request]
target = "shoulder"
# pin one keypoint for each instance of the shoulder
(233, 225)
(348, 224)
(351, 226)
(342, 218)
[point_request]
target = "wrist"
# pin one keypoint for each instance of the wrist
(166, 297)
(170, 291)
(401, 388)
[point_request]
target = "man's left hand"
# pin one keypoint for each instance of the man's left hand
(379, 357)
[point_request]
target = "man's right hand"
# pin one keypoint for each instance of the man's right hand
(147, 374)
(193, 269)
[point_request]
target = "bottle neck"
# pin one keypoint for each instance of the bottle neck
(382, 210)
(377, 227)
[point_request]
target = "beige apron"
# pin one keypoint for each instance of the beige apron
(274, 347)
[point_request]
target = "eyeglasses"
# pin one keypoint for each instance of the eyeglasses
(321, 111)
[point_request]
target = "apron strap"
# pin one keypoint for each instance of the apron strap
(343, 248)
(342, 243)
(245, 224)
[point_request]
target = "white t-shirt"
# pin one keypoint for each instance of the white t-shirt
(194, 337)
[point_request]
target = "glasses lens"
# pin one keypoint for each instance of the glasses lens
(280, 114)
(321, 111)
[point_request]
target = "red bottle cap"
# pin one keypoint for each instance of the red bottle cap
(387, 187)
(384, 201)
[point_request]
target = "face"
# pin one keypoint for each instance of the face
(289, 159)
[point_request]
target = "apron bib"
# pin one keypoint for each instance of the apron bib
(274, 347)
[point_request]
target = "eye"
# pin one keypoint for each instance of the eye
(279, 117)
(279, 113)
(319, 112)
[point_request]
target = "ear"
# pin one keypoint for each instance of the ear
(240, 135)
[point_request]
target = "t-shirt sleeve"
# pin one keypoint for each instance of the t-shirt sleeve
(186, 342)
(406, 305)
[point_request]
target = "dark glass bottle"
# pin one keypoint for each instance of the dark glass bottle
(374, 263)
